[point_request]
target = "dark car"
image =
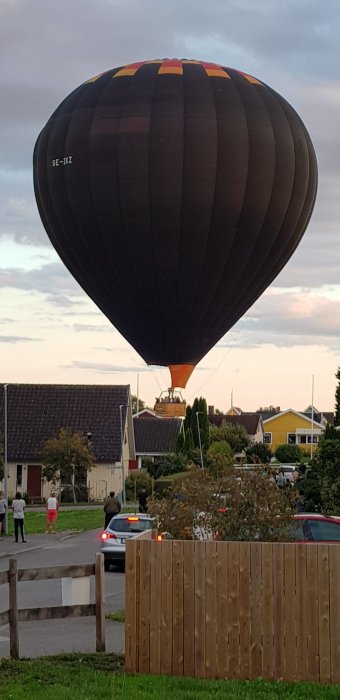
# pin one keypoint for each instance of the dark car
(122, 527)
(314, 527)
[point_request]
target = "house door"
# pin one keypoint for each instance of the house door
(34, 480)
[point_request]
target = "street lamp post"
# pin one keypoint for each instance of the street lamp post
(6, 458)
(122, 449)
(199, 437)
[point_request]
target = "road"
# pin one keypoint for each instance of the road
(59, 636)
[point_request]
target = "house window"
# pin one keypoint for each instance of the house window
(302, 439)
(267, 438)
(291, 439)
(315, 439)
(19, 474)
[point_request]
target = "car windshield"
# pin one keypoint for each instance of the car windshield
(130, 525)
(325, 530)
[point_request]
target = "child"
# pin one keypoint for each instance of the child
(52, 512)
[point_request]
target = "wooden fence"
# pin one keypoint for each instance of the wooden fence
(233, 610)
(15, 615)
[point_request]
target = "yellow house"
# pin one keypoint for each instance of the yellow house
(292, 428)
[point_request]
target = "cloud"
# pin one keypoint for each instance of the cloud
(286, 320)
(104, 368)
(88, 328)
(52, 279)
(17, 339)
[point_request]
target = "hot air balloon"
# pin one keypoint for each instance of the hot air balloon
(174, 191)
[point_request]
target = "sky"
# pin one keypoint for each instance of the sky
(286, 350)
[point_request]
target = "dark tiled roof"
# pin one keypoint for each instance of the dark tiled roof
(36, 412)
(329, 416)
(249, 421)
(155, 436)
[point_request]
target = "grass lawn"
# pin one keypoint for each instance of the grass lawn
(90, 676)
(67, 520)
(74, 520)
(117, 616)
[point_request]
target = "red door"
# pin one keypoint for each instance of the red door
(34, 480)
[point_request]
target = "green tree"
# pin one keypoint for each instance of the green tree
(288, 453)
(235, 435)
(164, 465)
(337, 399)
(258, 452)
(138, 479)
(196, 418)
(67, 458)
(134, 401)
(199, 421)
(220, 459)
(326, 464)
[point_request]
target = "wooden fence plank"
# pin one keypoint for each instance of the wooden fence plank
(324, 621)
(166, 608)
(222, 563)
(155, 607)
(278, 588)
(244, 610)
(234, 605)
(313, 613)
(256, 611)
(189, 608)
(131, 607)
(200, 609)
(56, 612)
(290, 612)
(334, 569)
(177, 610)
(210, 611)
(100, 602)
(13, 609)
(52, 572)
(301, 613)
(267, 611)
(144, 606)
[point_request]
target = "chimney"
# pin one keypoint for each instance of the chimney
(211, 410)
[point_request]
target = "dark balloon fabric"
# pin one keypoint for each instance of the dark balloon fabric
(174, 192)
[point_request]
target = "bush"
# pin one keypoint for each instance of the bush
(81, 491)
(288, 453)
(258, 453)
(137, 480)
(166, 483)
(166, 465)
(246, 507)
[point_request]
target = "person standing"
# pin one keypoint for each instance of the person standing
(280, 479)
(18, 507)
(3, 508)
(142, 498)
(112, 507)
(52, 513)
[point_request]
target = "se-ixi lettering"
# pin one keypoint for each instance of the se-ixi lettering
(66, 160)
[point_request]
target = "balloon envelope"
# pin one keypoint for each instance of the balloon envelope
(174, 191)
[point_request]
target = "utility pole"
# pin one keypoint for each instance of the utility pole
(199, 438)
(122, 449)
(6, 457)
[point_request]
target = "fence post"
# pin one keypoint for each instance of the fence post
(13, 609)
(100, 602)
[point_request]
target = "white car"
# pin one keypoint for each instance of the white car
(122, 527)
